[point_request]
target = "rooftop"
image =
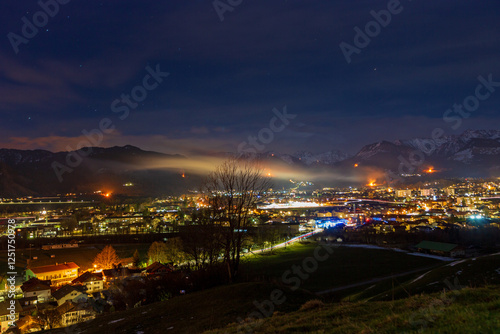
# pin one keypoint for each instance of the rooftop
(55, 267)
(437, 246)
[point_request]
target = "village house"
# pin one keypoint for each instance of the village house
(441, 249)
(74, 313)
(157, 269)
(6, 316)
(93, 282)
(112, 275)
(72, 293)
(126, 262)
(28, 324)
(58, 274)
(37, 288)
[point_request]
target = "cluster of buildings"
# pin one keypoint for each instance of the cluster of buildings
(60, 295)
(428, 203)
(75, 296)
(424, 206)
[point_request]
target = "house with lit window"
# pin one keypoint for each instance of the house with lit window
(9, 313)
(71, 293)
(117, 274)
(38, 289)
(73, 313)
(93, 282)
(58, 274)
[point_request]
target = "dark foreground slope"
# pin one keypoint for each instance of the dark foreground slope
(221, 310)
(192, 313)
(465, 311)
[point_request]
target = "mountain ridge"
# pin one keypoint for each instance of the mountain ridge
(32, 172)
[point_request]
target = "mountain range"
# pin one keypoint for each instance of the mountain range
(473, 153)
(133, 171)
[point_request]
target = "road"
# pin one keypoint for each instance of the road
(300, 237)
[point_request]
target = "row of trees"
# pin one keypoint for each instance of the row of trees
(167, 252)
(220, 232)
(163, 252)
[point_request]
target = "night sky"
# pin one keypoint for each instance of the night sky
(225, 77)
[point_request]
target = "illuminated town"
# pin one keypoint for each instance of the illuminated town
(462, 204)
(234, 166)
(58, 235)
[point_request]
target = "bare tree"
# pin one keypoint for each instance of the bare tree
(107, 258)
(49, 318)
(231, 192)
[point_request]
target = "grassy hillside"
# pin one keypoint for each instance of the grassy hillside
(470, 310)
(363, 309)
(465, 311)
(345, 265)
(474, 272)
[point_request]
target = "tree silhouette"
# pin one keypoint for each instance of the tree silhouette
(136, 258)
(174, 251)
(202, 241)
(232, 191)
(49, 318)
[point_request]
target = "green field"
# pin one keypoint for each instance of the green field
(344, 266)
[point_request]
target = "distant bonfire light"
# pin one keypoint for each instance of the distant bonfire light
(430, 170)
